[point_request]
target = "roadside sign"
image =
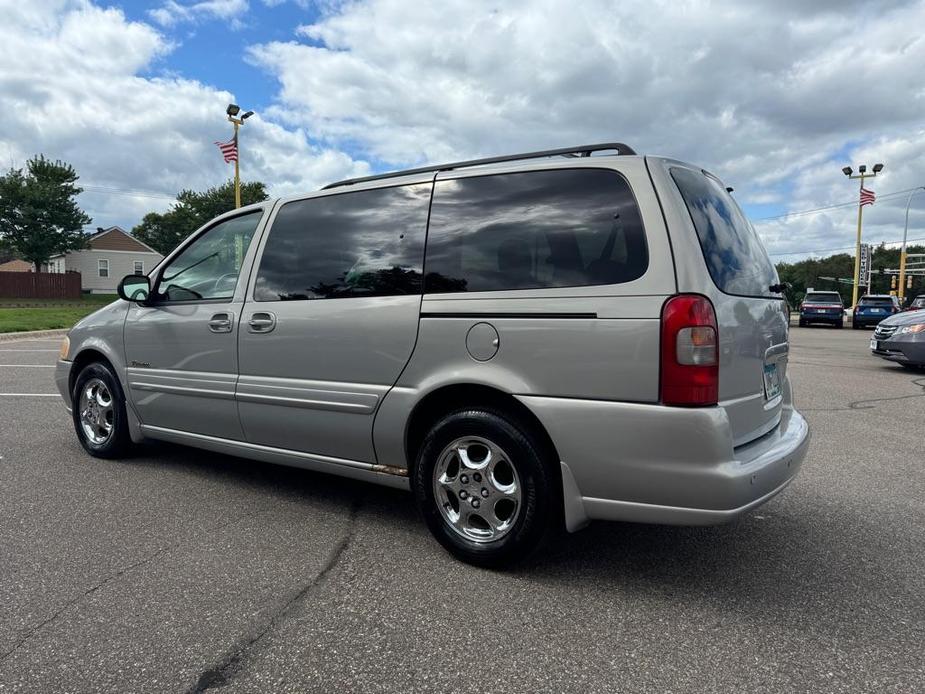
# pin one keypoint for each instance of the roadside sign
(865, 263)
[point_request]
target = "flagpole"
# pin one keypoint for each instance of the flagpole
(857, 246)
(232, 111)
(237, 167)
(862, 174)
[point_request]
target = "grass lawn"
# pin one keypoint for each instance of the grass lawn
(18, 315)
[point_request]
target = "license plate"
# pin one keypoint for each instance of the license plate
(878, 310)
(771, 381)
(874, 345)
(821, 310)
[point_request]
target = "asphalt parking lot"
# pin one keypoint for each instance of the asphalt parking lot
(180, 570)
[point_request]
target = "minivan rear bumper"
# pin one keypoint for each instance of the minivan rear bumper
(655, 464)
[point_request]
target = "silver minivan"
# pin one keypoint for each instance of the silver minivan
(525, 342)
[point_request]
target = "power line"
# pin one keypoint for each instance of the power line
(127, 191)
(840, 248)
(853, 203)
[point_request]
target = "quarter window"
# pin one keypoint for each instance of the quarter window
(208, 268)
(735, 256)
(367, 243)
(102, 267)
(534, 229)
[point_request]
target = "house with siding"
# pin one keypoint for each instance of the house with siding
(111, 254)
(16, 265)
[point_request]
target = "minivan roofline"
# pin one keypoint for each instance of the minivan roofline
(577, 151)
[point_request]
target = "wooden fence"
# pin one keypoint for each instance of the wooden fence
(40, 285)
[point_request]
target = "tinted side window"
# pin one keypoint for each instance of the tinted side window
(736, 258)
(368, 243)
(534, 229)
(208, 268)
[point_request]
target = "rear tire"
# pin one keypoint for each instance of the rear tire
(802, 323)
(840, 324)
(98, 412)
(486, 487)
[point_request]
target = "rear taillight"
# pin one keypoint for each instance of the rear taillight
(690, 352)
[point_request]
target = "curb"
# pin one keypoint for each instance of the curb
(32, 334)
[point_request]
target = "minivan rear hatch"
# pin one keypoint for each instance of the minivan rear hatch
(751, 317)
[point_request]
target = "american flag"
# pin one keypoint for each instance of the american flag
(230, 149)
(867, 196)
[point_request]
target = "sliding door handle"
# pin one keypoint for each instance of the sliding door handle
(261, 322)
(221, 322)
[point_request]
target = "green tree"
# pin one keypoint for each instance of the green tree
(39, 216)
(165, 231)
(805, 274)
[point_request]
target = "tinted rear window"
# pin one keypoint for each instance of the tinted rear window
(819, 298)
(534, 229)
(736, 258)
(869, 301)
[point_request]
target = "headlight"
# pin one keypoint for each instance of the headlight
(917, 328)
(65, 348)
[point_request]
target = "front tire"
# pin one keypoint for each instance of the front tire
(486, 487)
(98, 410)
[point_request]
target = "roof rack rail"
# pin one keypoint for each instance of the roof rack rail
(579, 151)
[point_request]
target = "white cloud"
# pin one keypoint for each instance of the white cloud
(775, 96)
(767, 94)
(173, 12)
(71, 87)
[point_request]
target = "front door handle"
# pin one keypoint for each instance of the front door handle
(261, 322)
(221, 322)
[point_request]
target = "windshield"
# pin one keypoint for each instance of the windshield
(823, 298)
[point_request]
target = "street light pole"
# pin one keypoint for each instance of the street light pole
(902, 253)
(232, 111)
(862, 175)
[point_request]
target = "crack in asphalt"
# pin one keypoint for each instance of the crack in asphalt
(109, 579)
(869, 403)
(230, 665)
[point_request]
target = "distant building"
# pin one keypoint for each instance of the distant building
(112, 254)
(16, 265)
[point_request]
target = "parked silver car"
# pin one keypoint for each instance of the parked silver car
(523, 341)
(901, 339)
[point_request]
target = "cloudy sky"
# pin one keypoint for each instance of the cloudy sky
(774, 96)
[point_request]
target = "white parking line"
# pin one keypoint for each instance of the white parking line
(30, 395)
(29, 366)
(28, 350)
(35, 339)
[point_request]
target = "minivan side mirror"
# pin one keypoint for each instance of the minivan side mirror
(135, 288)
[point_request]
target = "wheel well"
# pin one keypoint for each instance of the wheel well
(87, 356)
(434, 406)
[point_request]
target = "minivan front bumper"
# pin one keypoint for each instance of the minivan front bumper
(655, 464)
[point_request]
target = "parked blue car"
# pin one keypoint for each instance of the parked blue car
(873, 308)
(822, 307)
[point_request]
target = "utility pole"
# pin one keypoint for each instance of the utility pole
(862, 174)
(902, 253)
(232, 111)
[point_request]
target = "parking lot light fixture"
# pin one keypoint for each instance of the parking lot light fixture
(861, 174)
(232, 111)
